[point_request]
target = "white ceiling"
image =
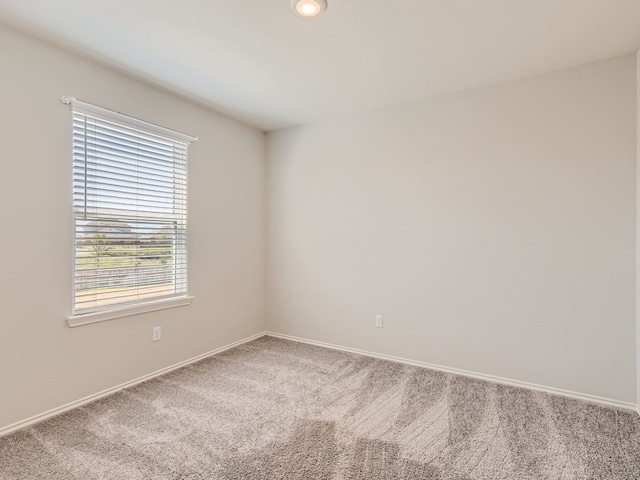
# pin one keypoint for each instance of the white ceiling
(258, 62)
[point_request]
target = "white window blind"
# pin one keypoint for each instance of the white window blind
(130, 211)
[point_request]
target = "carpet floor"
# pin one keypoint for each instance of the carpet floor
(275, 409)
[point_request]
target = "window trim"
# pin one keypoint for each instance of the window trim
(128, 311)
(147, 305)
(136, 122)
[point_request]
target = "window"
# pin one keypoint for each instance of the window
(130, 215)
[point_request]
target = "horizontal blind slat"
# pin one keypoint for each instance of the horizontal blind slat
(108, 161)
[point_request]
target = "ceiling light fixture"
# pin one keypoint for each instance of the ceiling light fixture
(308, 8)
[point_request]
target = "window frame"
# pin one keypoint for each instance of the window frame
(137, 306)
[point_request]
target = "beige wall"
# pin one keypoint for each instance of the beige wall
(43, 363)
(493, 229)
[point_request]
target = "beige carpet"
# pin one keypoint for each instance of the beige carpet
(274, 409)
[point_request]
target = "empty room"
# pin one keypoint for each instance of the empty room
(319, 239)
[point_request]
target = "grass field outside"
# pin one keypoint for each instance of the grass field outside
(114, 269)
(101, 297)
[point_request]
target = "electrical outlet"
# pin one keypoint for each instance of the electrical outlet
(157, 334)
(378, 321)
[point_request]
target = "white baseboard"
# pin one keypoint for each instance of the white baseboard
(480, 376)
(96, 396)
(505, 381)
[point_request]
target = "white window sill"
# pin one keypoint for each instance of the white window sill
(88, 318)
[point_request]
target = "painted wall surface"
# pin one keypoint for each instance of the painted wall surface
(493, 229)
(45, 364)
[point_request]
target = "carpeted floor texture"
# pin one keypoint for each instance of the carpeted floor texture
(276, 409)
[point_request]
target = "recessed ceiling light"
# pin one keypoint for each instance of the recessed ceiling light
(309, 8)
